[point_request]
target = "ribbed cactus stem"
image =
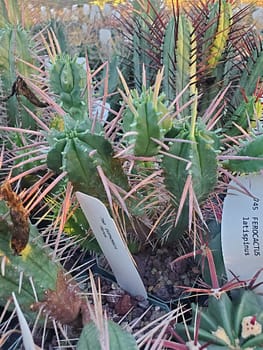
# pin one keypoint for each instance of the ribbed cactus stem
(193, 124)
(39, 282)
(15, 42)
(228, 323)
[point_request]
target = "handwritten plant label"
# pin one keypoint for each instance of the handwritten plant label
(242, 227)
(112, 245)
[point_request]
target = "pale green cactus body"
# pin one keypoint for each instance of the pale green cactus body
(15, 42)
(143, 118)
(192, 158)
(67, 79)
(79, 152)
(179, 52)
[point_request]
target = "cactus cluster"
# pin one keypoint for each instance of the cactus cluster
(157, 160)
(146, 120)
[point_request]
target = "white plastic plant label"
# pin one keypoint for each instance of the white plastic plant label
(242, 227)
(112, 245)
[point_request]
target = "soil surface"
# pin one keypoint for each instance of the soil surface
(163, 288)
(162, 284)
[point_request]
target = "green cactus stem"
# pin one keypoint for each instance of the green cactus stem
(38, 282)
(146, 118)
(246, 116)
(67, 80)
(179, 51)
(79, 152)
(196, 157)
(15, 42)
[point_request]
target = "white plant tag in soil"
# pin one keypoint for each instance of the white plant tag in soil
(112, 245)
(242, 227)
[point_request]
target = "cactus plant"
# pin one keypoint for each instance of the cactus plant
(16, 59)
(248, 158)
(27, 268)
(67, 80)
(204, 46)
(15, 43)
(146, 118)
(179, 46)
(187, 162)
(79, 151)
(229, 324)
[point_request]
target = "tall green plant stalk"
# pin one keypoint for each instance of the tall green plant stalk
(16, 59)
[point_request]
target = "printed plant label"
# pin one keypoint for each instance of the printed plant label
(112, 245)
(242, 227)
